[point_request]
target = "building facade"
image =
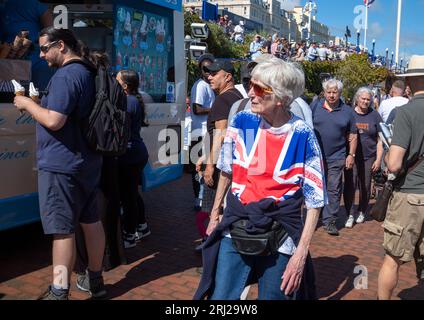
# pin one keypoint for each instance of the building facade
(273, 19)
(319, 31)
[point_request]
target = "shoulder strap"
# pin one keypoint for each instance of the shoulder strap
(242, 104)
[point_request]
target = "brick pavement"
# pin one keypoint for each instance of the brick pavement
(164, 265)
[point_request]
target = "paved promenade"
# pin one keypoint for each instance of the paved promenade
(165, 266)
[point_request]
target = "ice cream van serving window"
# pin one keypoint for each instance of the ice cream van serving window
(143, 42)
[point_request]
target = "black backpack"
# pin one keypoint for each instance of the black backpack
(107, 130)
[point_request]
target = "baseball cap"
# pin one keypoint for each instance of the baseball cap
(206, 56)
(225, 65)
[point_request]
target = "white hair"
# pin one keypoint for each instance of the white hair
(286, 79)
(359, 93)
(332, 83)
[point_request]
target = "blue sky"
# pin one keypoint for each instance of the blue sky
(382, 16)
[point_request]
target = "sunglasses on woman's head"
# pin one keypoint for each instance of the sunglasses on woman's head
(45, 48)
(259, 90)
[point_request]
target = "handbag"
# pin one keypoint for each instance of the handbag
(257, 244)
(378, 211)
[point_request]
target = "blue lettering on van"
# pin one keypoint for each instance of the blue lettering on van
(25, 119)
(13, 155)
(2, 121)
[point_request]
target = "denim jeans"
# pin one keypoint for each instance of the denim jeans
(334, 178)
(234, 270)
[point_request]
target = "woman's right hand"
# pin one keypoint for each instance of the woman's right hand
(211, 226)
(215, 218)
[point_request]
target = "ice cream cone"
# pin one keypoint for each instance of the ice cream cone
(26, 44)
(35, 98)
(20, 93)
(33, 92)
(24, 34)
(4, 50)
(17, 45)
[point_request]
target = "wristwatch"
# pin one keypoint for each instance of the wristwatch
(352, 154)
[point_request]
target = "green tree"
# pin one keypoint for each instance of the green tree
(356, 71)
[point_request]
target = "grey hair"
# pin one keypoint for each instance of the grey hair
(331, 83)
(359, 92)
(286, 79)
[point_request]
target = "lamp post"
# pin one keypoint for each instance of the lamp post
(391, 62)
(358, 35)
(387, 57)
(400, 66)
(373, 50)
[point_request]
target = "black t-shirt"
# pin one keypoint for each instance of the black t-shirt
(368, 129)
(221, 108)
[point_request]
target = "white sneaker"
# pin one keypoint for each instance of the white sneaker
(349, 222)
(361, 218)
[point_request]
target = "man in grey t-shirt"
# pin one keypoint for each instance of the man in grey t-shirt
(404, 223)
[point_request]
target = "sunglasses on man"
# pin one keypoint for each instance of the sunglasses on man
(260, 91)
(45, 48)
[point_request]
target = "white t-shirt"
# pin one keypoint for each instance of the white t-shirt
(242, 90)
(388, 105)
(322, 53)
(238, 33)
(202, 94)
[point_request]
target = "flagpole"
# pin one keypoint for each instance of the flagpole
(398, 31)
(366, 25)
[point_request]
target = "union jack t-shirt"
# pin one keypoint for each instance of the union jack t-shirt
(277, 163)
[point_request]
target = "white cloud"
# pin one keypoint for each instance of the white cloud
(375, 30)
(289, 4)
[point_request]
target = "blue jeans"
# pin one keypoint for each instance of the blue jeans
(234, 270)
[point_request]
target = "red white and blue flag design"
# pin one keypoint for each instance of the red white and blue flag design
(368, 2)
(277, 163)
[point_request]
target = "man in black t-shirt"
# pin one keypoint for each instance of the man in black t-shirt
(222, 82)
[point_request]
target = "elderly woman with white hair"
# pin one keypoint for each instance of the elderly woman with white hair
(272, 164)
(334, 124)
(368, 156)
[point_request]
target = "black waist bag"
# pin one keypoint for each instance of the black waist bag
(257, 244)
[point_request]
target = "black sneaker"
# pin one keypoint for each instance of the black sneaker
(49, 295)
(332, 229)
(143, 231)
(95, 287)
(129, 240)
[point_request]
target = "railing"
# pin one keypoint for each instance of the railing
(390, 64)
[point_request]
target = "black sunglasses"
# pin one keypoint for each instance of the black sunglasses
(45, 48)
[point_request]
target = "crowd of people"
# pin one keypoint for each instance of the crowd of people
(276, 155)
(281, 48)
(268, 168)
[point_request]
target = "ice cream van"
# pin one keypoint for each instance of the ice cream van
(144, 35)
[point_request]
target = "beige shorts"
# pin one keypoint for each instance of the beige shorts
(404, 226)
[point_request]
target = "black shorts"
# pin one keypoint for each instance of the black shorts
(66, 200)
